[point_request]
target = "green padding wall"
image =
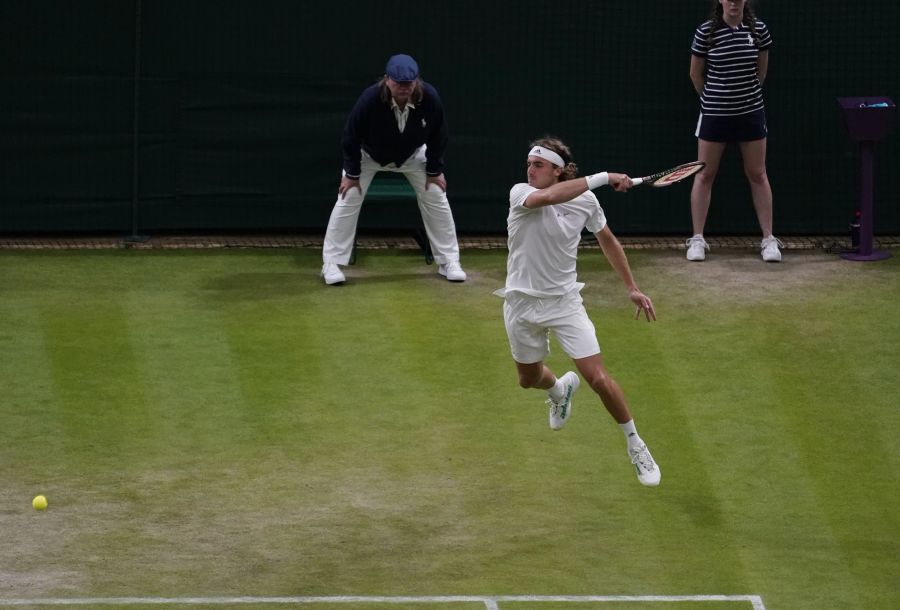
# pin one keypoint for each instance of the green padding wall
(241, 104)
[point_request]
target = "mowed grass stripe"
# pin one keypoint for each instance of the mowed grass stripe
(796, 405)
(794, 399)
(188, 371)
(685, 514)
(32, 456)
(854, 488)
(746, 363)
(393, 484)
(28, 408)
(95, 377)
(746, 441)
(796, 357)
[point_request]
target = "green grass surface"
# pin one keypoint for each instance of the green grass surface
(219, 423)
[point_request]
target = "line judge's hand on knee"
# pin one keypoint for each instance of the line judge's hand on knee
(438, 180)
(347, 184)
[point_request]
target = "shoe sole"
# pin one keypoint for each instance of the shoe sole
(444, 274)
(649, 483)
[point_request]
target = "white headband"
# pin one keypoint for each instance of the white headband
(547, 154)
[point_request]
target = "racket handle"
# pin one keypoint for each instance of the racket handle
(637, 181)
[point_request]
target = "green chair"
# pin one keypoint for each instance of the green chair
(397, 197)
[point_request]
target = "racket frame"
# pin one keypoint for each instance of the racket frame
(687, 169)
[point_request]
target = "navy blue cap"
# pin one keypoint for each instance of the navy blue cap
(402, 68)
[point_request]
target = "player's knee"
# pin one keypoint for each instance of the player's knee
(600, 382)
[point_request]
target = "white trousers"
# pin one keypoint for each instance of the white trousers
(433, 205)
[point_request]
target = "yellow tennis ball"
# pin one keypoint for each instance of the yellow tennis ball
(39, 503)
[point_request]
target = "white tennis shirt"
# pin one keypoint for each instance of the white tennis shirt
(543, 242)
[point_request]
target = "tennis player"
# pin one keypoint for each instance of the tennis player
(542, 295)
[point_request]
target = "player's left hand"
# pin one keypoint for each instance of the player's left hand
(643, 304)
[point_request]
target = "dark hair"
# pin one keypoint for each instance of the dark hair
(556, 145)
(715, 16)
(415, 97)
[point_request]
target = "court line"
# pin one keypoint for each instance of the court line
(491, 602)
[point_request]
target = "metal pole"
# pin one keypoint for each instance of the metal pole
(866, 207)
(135, 134)
(866, 196)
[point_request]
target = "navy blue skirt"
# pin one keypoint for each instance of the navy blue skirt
(741, 128)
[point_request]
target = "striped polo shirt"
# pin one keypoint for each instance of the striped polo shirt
(731, 87)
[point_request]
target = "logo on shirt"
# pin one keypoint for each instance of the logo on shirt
(423, 123)
(749, 39)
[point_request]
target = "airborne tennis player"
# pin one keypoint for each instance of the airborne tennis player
(542, 295)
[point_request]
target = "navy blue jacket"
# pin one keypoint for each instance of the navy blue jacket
(372, 127)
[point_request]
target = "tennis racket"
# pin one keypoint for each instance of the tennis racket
(671, 176)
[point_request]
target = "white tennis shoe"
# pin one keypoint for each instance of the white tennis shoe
(697, 248)
(561, 410)
(769, 249)
(647, 470)
(452, 271)
(332, 274)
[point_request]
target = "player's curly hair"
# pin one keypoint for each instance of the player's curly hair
(715, 16)
(558, 146)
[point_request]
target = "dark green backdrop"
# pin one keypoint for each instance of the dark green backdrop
(241, 103)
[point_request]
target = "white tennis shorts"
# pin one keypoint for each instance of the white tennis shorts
(530, 320)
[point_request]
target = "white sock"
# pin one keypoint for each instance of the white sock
(558, 391)
(630, 432)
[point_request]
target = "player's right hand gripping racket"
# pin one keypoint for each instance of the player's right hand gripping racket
(671, 176)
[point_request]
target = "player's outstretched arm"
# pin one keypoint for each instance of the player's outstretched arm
(568, 190)
(615, 254)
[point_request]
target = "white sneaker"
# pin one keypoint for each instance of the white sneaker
(561, 411)
(697, 248)
(769, 249)
(647, 470)
(452, 271)
(332, 274)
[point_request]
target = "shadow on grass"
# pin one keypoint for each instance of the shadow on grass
(261, 286)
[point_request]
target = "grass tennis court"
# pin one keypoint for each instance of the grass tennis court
(214, 424)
